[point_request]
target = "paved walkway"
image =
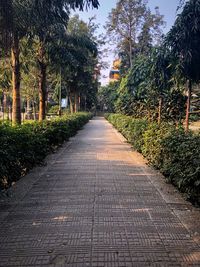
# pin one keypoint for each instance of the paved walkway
(97, 204)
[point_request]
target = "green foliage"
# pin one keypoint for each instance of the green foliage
(130, 127)
(154, 85)
(107, 96)
(5, 24)
(175, 153)
(149, 80)
(40, 29)
(82, 3)
(134, 28)
(153, 137)
(181, 161)
(75, 60)
(124, 101)
(174, 106)
(184, 39)
(54, 109)
(135, 93)
(136, 129)
(22, 147)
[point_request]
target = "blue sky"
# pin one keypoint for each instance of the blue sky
(167, 8)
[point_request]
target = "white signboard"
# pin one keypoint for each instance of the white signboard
(64, 103)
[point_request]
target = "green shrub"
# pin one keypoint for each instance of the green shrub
(136, 129)
(55, 110)
(152, 144)
(175, 153)
(131, 128)
(181, 162)
(22, 147)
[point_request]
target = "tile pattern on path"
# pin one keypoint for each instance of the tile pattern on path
(95, 205)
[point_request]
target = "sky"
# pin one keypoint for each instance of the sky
(166, 7)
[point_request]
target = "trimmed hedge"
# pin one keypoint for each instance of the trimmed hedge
(22, 147)
(175, 153)
(131, 128)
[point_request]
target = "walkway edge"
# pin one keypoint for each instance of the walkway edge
(19, 190)
(183, 209)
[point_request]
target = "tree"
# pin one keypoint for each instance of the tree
(124, 102)
(183, 41)
(107, 95)
(5, 24)
(129, 22)
(84, 49)
(15, 30)
(74, 4)
(160, 74)
(151, 33)
(54, 14)
(124, 22)
(150, 89)
(45, 18)
(29, 76)
(5, 85)
(75, 57)
(36, 18)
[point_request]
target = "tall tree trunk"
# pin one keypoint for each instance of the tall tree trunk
(10, 113)
(189, 90)
(71, 102)
(160, 109)
(76, 102)
(34, 110)
(85, 103)
(16, 106)
(60, 95)
(42, 83)
(130, 53)
(29, 109)
(79, 102)
(4, 104)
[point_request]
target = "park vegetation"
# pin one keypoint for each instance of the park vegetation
(158, 93)
(24, 146)
(171, 150)
(46, 55)
(162, 82)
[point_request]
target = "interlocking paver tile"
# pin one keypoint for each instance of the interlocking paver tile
(97, 204)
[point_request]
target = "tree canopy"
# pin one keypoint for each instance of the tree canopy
(43, 24)
(133, 27)
(160, 82)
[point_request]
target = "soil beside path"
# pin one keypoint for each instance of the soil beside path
(97, 204)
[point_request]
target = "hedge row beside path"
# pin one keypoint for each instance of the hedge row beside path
(175, 153)
(22, 147)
